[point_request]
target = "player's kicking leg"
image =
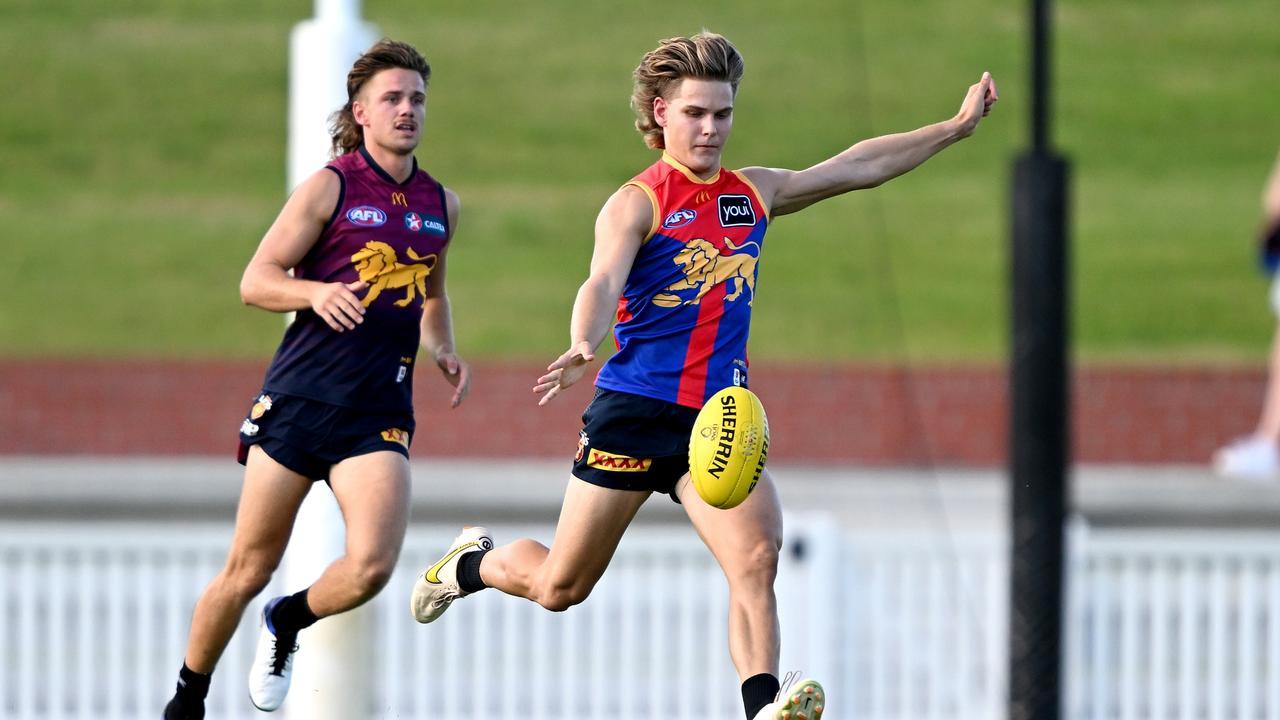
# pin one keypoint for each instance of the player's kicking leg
(592, 520)
(746, 541)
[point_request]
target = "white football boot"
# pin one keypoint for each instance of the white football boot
(1251, 458)
(438, 586)
(803, 700)
(272, 666)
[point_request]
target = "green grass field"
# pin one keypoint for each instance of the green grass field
(142, 157)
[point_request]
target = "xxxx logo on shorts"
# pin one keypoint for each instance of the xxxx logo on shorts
(396, 435)
(602, 460)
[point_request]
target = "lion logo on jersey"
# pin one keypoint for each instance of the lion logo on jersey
(378, 265)
(704, 268)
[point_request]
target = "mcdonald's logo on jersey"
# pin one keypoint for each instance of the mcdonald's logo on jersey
(702, 196)
(398, 198)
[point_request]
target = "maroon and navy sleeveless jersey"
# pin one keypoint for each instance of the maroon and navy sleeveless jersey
(685, 311)
(390, 235)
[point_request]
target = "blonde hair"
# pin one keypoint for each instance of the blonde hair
(705, 56)
(346, 133)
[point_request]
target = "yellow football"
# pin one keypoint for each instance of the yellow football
(728, 447)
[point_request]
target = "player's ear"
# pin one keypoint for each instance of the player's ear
(660, 111)
(358, 112)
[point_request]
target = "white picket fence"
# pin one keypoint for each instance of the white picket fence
(93, 619)
(1174, 625)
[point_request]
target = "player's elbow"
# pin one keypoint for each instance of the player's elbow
(250, 288)
(246, 291)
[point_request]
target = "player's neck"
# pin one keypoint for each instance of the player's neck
(398, 166)
(706, 175)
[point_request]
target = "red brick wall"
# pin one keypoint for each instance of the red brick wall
(866, 414)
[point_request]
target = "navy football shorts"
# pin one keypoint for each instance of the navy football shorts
(632, 442)
(309, 437)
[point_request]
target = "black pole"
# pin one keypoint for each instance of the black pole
(1040, 75)
(1039, 407)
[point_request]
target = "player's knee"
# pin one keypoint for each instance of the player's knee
(760, 564)
(371, 575)
(560, 597)
(246, 577)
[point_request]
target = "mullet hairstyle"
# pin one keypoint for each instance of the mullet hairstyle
(347, 135)
(705, 56)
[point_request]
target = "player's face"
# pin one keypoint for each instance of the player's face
(391, 108)
(696, 120)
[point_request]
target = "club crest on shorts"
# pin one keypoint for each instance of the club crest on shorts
(260, 407)
(583, 441)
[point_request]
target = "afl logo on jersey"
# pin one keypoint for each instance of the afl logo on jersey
(736, 211)
(679, 218)
(366, 216)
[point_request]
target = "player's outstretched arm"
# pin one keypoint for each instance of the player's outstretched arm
(874, 161)
(437, 316)
(621, 228)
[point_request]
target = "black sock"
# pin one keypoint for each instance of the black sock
(188, 699)
(758, 691)
(292, 614)
(469, 572)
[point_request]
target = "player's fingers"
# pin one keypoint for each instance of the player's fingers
(356, 286)
(562, 362)
(550, 394)
(328, 319)
(352, 301)
(346, 310)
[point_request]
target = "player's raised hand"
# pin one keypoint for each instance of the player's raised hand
(977, 103)
(337, 304)
(457, 373)
(565, 371)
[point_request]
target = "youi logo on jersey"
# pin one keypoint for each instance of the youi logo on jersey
(736, 211)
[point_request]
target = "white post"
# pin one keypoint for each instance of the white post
(331, 678)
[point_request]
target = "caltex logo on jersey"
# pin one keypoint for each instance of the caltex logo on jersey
(679, 218)
(413, 221)
(366, 216)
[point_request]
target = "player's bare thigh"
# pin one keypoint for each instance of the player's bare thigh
(269, 501)
(738, 534)
(373, 491)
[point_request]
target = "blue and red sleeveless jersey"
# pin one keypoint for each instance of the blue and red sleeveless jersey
(390, 235)
(685, 311)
